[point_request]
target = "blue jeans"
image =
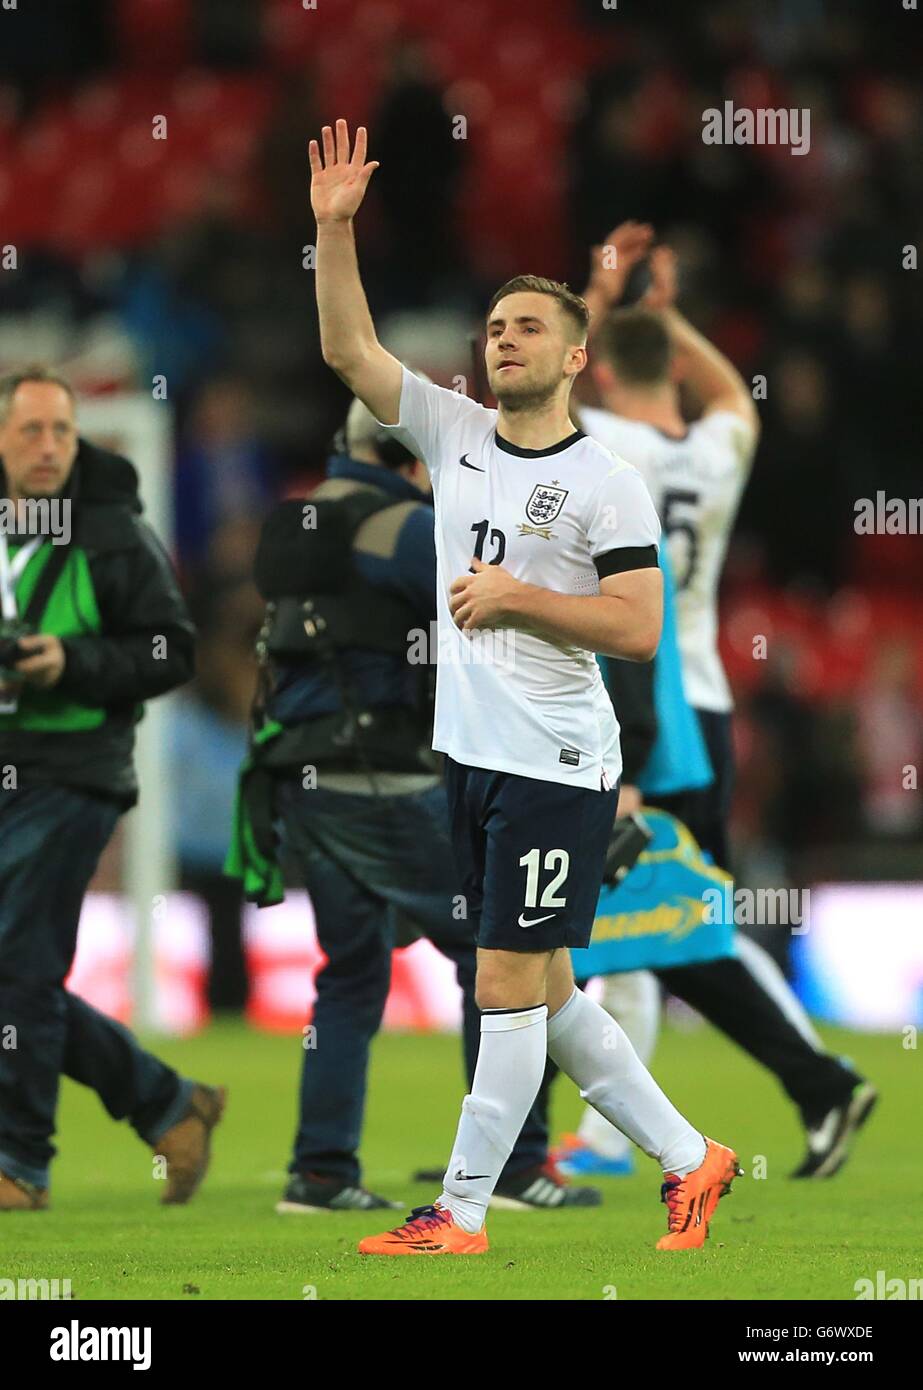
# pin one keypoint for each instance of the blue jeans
(368, 861)
(50, 842)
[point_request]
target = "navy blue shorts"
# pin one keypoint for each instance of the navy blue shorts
(707, 810)
(530, 855)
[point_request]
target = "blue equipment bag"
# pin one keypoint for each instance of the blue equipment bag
(673, 908)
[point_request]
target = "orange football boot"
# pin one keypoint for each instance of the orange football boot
(691, 1200)
(427, 1231)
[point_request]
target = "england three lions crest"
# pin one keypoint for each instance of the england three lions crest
(544, 506)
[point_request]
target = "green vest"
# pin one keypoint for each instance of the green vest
(71, 611)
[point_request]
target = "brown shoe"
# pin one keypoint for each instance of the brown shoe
(185, 1145)
(17, 1195)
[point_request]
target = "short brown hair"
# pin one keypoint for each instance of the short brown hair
(574, 307)
(636, 344)
(39, 371)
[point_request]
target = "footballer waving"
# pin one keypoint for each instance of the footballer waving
(522, 713)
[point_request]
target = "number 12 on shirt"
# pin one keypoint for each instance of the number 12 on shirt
(497, 540)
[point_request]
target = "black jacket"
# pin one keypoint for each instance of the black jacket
(139, 599)
(631, 690)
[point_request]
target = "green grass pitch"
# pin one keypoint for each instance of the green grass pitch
(772, 1239)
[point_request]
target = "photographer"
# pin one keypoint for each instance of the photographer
(341, 757)
(90, 629)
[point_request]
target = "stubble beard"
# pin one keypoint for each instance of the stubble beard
(530, 401)
(23, 492)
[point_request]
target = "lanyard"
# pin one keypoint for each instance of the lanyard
(10, 571)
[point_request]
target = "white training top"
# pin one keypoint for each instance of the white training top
(696, 483)
(507, 700)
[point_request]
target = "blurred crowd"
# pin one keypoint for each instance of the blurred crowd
(795, 265)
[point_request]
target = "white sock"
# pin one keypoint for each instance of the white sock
(593, 1050)
(633, 999)
(509, 1071)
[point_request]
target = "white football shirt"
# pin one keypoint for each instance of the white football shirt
(696, 483)
(507, 700)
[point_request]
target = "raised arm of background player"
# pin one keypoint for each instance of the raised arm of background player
(611, 263)
(610, 266)
(347, 334)
(712, 376)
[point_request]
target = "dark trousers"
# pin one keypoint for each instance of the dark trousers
(733, 1000)
(50, 842)
(724, 991)
(707, 810)
(370, 863)
(227, 978)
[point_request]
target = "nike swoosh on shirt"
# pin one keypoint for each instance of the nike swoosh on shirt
(535, 920)
(465, 464)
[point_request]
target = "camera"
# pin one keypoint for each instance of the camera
(10, 632)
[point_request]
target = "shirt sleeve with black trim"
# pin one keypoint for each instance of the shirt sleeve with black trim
(623, 529)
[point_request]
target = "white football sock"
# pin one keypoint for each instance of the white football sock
(509, 1071)
(633, 999)
(593, 1050)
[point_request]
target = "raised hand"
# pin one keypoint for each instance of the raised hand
(613, 262)
(338, 182)
(663, 268)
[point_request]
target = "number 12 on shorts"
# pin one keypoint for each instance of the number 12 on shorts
(555, 859)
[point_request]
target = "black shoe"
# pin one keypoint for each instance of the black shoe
(831, 1133)
(542, 1189)
(308, 1193)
